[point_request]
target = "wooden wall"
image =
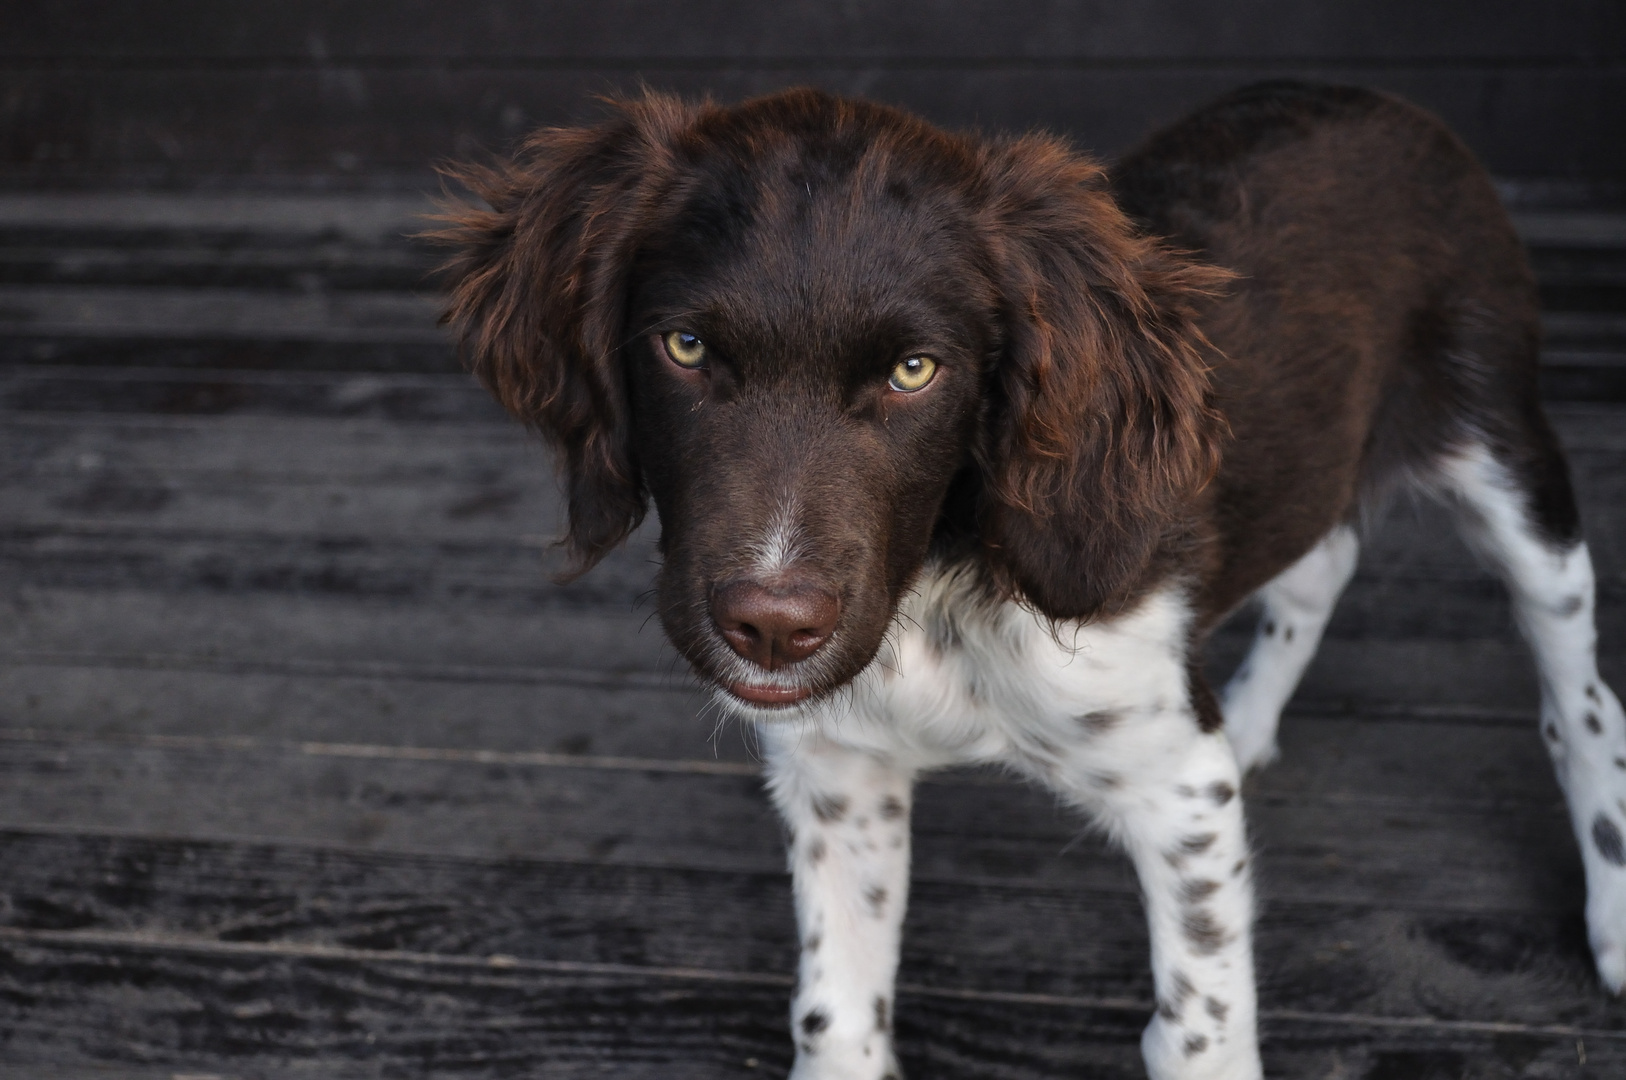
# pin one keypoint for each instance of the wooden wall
(369, 91)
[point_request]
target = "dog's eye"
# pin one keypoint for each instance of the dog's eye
(913, 373)
(685, 349)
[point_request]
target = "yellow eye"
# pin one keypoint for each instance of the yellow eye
(685, 349)
(913, 373)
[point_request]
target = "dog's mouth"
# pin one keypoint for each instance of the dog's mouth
(768, 696)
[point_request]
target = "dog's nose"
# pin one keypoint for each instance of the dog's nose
(772, 626)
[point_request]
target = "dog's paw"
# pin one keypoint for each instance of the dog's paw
(846, 1066)
(1172, 1052)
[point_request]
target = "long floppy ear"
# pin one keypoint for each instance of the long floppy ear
(538, 296)
(1101, 428)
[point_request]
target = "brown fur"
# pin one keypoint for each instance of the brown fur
(1108, 412)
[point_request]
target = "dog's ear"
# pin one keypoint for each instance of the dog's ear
(538, 296)
(1100, 428)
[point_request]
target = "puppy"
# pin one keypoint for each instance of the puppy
(961, 447)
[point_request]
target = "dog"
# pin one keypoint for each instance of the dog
(962, 445)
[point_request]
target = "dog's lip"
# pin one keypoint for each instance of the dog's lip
(769, 696)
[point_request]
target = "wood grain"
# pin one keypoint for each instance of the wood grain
(309, 772)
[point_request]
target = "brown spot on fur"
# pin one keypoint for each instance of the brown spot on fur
(1592, 724)
(1196, 845)
(1182, 988)
(1186, 791)
(812, 943)
(830, 808)
(1620, 763)
(815, 851)
(1551, 731)
(1216, 1008)
(1203, 702)
(1269, 628)
(1569, 606)
(1195, 891)
(875, 896)
(1099, 722)
(883, 1015)
(1607, 839)
(1241, 865)
(1195, 1045)
(1592, 692)
(1221, 792)
(1287, 633)
(815, 1021)
(892, 808)
(1108, 781)
(1206, 935)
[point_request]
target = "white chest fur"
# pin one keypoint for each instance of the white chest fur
(963, 680)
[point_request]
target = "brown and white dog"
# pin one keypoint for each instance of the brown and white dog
(961, 446)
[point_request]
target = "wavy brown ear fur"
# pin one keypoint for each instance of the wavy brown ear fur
(1102, 428)
(538, 295)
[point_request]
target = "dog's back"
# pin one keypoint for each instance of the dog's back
(1384, 317)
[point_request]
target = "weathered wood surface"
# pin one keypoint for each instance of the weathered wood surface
(309, 771)
(352, 93)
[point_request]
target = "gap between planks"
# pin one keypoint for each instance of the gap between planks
(358, 669)
(177, 943)
(968, 777)
(1471, 715)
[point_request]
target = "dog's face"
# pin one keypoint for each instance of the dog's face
(805, 374)
(800, 325)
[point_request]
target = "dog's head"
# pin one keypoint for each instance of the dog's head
(824, 336)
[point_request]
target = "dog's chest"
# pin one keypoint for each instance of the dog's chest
(961, 680)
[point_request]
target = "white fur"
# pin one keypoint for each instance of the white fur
(1294, 609)
(1581, 719)
(1101, 713)
(780, 544)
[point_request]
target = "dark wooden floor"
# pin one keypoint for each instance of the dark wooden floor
(309, 772)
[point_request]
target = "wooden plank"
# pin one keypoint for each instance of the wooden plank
(341, 1015)
(618, 702)
(179, 313)
(298, 472)
(1463, 854)
(207, 312)
(562, 710)
(359, 222)
(173, 122)
(418, 398)
(914, 30)
(200, 266)
(229, 353)
(1497, 967)
(298, 635)
(291, 449)
(339, 565)
(366, 450)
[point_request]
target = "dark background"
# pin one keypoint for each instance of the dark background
(312, 93)
(308, 770)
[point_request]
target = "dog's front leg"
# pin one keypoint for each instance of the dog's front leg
(1169, 792)
(848, 816)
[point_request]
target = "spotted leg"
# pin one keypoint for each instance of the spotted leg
(1296, 605)
(1168, 790)
(848, 816)
(1527, 532)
